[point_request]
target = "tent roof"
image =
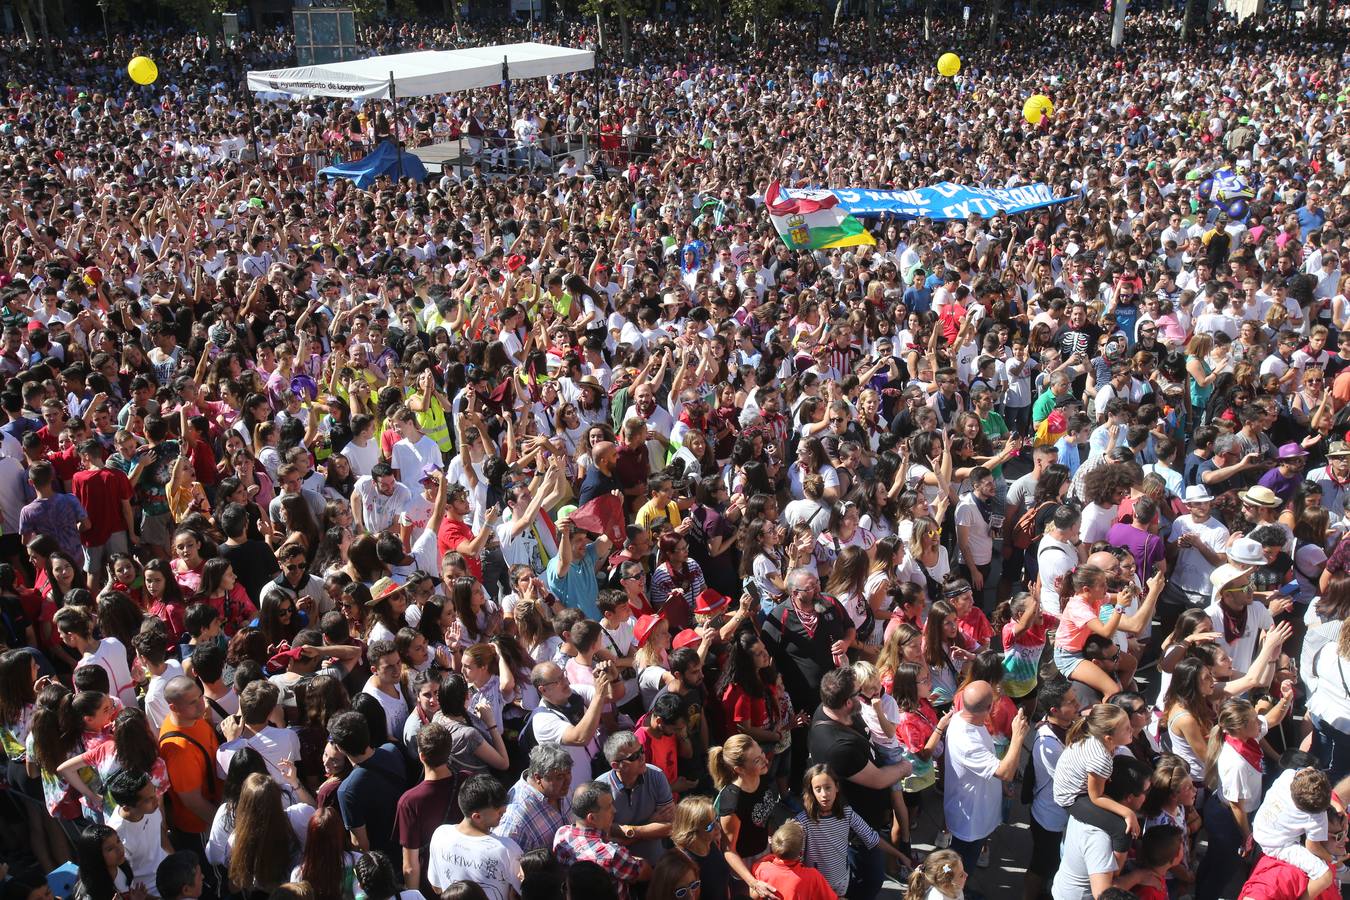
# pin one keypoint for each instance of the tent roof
(423, 72)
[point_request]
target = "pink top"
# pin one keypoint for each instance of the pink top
(1073, 631)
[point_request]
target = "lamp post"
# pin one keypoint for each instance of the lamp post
(103, 8)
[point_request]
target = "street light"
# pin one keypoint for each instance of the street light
(103, 8)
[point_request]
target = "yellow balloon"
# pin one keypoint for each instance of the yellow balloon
(949, 64)
(1037, 107)
(143, 70)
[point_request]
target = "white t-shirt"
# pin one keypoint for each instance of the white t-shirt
(408, 460)
(491, 861)
(973, 797)
(549, 723)
(1239, 781)
(1096, 522)
(273, 745)
(1279, 823)
(363, 459)
(144, 843)
(1086, 852)
(378, 511)
(1243, 650)
(156, 707)
(395, 707)
(1192, 568)
(1055, 558)
(111, 655)
(979, 537)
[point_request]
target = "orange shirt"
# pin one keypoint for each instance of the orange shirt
(793, 880)
(188, 771)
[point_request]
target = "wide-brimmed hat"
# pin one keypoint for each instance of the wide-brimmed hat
(645, 626)
(1291, 450)
(1198, 493)
(1338, 449)
(1246, 552)
(1225, 575)
(383, 588)
(1260, 495)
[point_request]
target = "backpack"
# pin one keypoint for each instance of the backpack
(1024, 532)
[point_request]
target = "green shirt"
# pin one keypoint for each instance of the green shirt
(996, 429)
(1044, 405)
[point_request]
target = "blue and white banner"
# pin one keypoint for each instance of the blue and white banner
(942, 201)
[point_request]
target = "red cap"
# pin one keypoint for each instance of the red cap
(645, 626)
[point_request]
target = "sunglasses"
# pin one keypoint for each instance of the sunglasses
(687, 889)
(632, 757)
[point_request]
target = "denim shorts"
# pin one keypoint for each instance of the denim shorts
(1066, 661)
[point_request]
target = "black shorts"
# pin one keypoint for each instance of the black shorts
(1044, 851)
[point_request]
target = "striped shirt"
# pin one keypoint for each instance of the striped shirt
(827, 844)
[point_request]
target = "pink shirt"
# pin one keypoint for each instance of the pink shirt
(1073, 631)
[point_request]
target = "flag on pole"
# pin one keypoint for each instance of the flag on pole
(813, 220)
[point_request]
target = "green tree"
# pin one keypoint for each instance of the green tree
(623, 10)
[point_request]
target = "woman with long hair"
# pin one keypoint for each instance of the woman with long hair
(328, 862)
(119, 617)
(945, 651)
(846, 583)
(748, 804)
(1188, 713)
(926, 562)
(60, 719)
(675, 877)
(220, 588)
(133, 747)
(743, 692)
(104, 873)
(18, 698)
(363, 562)
(676, 581)
(386, 608)
(164, 598)
(478, 618)
(469, 751)
(279, 620)
(324, 697)
(697, 837)
(842, 530)
(267, 837)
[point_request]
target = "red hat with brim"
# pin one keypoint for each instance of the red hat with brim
(710, 602)
(687, 638)
(645, 626)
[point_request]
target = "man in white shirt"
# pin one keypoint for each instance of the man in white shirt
(1234, 608)
(378, 499)
(1199, 541)
(470, 851)
(973, 797)
(1088, 865)
(384, 684)
(1060, 550)
(413, 452)
(139, 822)
(976, 525)
(278, 747)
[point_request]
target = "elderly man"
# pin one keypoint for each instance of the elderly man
(1334, 477)
(643, 806)
(534, 810)
(804, 654)
(973, 797)
(1045, 403)
(838, 739)
(570, 714)
(589, 839)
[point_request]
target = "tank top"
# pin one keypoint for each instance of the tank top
(1181, 747)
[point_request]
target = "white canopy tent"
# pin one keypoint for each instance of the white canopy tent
(424, 72)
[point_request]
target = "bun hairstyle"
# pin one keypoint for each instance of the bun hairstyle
(938, 870)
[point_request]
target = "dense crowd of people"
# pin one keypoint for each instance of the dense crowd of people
(551, 528)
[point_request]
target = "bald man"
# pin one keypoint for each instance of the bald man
(188, 744)
(973, 797)
(600, 478)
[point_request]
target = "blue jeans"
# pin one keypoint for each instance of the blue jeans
(1332, 749)
(969, 851)
(867, 870)
(1222, 868)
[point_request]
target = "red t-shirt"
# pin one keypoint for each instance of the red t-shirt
(101, 492)
(1273, 879)
(450, 536)
(662, 752)
(975, 627)
(739, 706)
(203, 460)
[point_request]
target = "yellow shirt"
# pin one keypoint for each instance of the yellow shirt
(652, 513)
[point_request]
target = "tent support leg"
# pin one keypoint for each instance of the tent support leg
(393, 127)
(506, 94)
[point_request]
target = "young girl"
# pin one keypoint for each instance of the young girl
(1082, 596)
(940, 877)
(829, 822)
(105, 873)
(970, 619)
(1170, 802)
(1084, 767)
(920, 731)
(1233, 774)
(907, 608)
(881, 715)
(1023, 626)
(762, 562)
(945, 651)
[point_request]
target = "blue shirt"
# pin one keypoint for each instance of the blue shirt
(577, 586)
(1309, 219)
(366, 797)
(918, 300)
(638, 805)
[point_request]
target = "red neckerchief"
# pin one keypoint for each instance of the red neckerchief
(700, 425)
(1249, 750)
(1234, 623)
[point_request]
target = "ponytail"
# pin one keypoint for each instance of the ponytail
(938, 870)
(1099, 722)
(1076, 579)
(1212, 749)
(723, 760)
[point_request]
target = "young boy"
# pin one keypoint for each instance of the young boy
(660, 507)
(139, 822)
(470, 851)
(204, 628)
(149, 644)
(179, 877)
(783, 868)
(616, 622)
(1295, 809)
(1160, 849)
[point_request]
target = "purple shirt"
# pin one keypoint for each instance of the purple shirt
(1146, 548)
(59, 516)
(1282, 485)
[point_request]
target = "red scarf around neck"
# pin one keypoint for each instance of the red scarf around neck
(1249, 750)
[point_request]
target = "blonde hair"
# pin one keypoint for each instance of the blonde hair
(863, 672)
(938, 870)
(724, 760)
(1234, 715)
(788, 841)
(693, 814)
(1100, 721)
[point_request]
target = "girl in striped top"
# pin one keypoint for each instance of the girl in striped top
(828, 823)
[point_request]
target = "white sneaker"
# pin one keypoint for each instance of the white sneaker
(944, 840)
(983, 861)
